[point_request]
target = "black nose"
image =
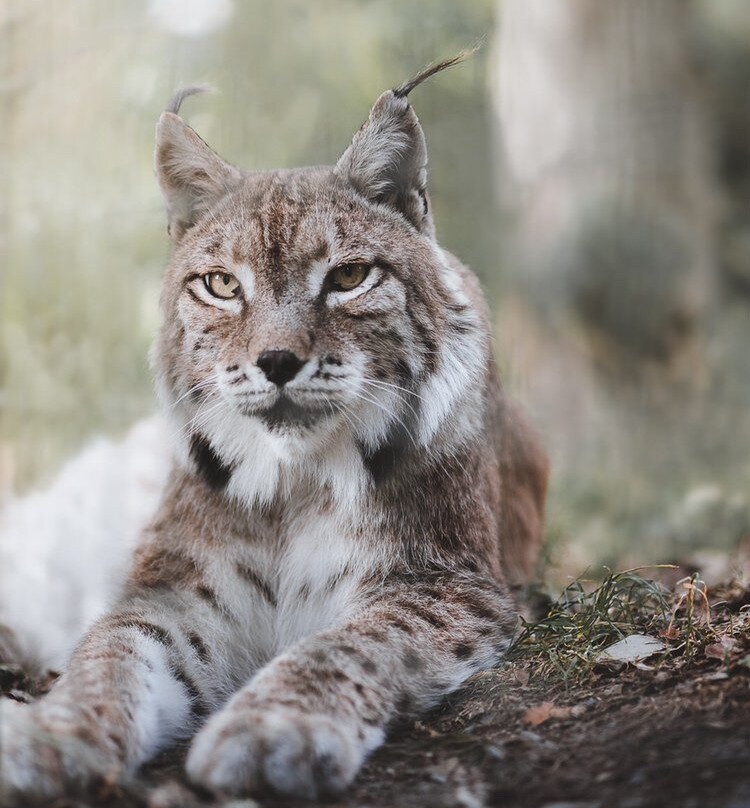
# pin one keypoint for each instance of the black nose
(279, 366)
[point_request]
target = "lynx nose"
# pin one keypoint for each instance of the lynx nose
(280, 367)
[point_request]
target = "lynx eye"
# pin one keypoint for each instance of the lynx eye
(222, 284)
(348, 276)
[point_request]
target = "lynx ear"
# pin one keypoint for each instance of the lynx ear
(192, 176)
(387, 160)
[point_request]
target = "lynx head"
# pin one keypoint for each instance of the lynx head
(310, 319)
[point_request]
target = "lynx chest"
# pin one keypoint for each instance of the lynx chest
(297, 577)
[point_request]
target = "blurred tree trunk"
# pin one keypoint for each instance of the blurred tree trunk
(609, 174)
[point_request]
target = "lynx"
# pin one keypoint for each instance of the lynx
(353, 499)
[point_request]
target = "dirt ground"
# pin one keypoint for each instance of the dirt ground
(674, 732)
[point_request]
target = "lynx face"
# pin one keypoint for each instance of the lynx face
(310, 313)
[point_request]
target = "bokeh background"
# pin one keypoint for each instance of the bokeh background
(591, 163)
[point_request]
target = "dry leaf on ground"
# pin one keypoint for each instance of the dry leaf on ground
(539, 713)
(631, 649)
(721, 648)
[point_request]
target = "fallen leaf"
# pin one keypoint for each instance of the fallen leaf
(670, 633)
(632, 648)
(522, 676)
(721, 649)
(540, 713)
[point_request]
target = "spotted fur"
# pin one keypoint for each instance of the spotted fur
(330, 556)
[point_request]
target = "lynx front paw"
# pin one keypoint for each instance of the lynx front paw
(275, 748)
(45, 756)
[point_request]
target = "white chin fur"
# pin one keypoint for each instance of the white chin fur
(268, 463)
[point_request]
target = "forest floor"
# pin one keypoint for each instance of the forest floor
(560, 725)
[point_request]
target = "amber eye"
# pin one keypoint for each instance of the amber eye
(222, 284)
(348, 276)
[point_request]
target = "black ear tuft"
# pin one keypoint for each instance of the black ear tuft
(387, 159)
(404, 89)
(180, 94)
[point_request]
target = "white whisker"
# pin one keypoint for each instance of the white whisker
(193, 389)
(389, 412)
(396, 387)
(383, 384)
(189, 428)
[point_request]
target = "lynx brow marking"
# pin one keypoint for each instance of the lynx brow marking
(316, 278)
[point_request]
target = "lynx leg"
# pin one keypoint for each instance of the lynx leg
(305, 723)
(131, 687)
